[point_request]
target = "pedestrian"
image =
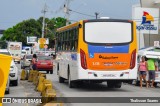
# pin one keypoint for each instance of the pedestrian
(34, 61)
(151, 66)
(143, 71)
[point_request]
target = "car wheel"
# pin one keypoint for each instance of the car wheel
(15, 83)
(47, 72)
(7, 92)
(51, 72)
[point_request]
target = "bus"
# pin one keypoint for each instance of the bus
(96, 51)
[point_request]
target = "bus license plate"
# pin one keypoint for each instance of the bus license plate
(108, 75)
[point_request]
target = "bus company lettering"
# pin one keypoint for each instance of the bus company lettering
(105, 57)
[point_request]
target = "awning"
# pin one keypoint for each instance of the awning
(152, 56)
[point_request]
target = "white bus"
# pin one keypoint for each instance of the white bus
(96, 51)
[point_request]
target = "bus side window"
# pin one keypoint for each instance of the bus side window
(76, 44)
(76, 38)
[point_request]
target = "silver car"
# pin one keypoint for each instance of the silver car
(26, 61)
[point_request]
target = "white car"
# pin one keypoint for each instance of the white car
(24, 52)
(13, 75)
(26, 61)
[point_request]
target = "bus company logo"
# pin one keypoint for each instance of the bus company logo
(147, 18)
(146, 23)
(105, 57)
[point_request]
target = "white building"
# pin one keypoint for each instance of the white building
(148, 39)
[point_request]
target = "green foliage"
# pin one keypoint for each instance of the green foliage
(3, 44)
(32, 27)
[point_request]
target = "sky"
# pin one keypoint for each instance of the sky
(15, 11)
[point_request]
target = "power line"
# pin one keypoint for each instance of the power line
(82, 13)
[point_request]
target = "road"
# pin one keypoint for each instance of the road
(87, 90)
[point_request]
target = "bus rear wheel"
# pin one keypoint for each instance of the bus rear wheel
(61, 80)
(118, 85)
(114, 84)
(70, 83)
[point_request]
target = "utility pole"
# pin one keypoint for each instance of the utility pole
(43, 23)
(66, 11)
(96, 13)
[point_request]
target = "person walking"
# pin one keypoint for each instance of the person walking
(34, 61)
(151, 66)
(143, 71)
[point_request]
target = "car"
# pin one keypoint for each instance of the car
(24, 52)
(5, 52)
(7, 86)
(44, 63)
(17, 60)
(26, 61)
(13, 75)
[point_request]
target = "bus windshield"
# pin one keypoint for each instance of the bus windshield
(108, 32)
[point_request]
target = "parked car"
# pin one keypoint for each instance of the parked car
(5, 52)
(45, 63)
(26, 61)
(24, 52)
(13, 75)
(7, 86)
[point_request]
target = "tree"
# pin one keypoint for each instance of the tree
(32, 27)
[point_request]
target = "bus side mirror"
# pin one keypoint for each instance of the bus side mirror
(80, 26)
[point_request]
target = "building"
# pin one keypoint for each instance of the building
(148, 39)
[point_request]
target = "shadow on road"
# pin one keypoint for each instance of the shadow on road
(96, 87)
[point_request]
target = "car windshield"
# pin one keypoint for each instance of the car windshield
(29, 56)
(44, 58)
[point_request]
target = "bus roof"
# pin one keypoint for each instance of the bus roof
(68, 27)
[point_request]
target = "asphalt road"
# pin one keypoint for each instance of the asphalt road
(25, 89)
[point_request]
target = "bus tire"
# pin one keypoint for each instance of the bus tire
(70, 83)
(61, 80)
(118, 85)
(110, 84)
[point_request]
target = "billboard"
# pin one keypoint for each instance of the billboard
(147, 19)
(31, 39)
(46, 40)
